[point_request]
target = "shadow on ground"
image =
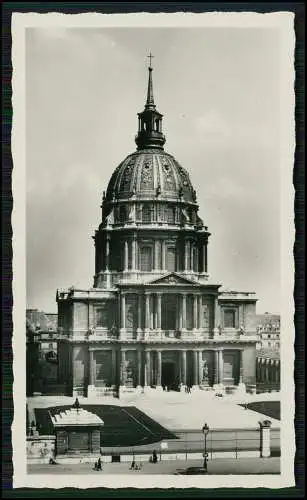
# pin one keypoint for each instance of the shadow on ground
(123, 426)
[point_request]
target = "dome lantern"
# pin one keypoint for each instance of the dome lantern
(150, 121)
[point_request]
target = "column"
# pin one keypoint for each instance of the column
(265, 438)
(217, 317)
(147, 312)
(221, 367)
(139, 361)
(140, 297)
(200, 366)
(186, 255)
(134, 252)
(216, 367)
(163, 254)
(184, 311)
(195, 367)
(147, 368)
(199, 311)
(156, 256)
(159, 368)
(180, 300)
(159, 311)
(195, 315)
(126, 256)
(205, 257)
(108, 252)
(152, 312)
(123, 311)
(240, 367)
(184, 367)
(92, 375)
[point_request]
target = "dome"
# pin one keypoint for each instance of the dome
(150, 173)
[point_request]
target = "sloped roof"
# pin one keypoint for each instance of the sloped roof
(267, 318)
(75, 418)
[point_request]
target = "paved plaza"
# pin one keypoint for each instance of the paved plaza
(178, 411)
(215, 467)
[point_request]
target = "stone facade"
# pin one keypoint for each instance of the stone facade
(153, 318)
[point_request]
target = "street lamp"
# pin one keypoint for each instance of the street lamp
(205, 430)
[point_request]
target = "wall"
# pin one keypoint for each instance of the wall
(40, 448)
(250, 317)
(80, 364)
(249, 365)
(80, 316)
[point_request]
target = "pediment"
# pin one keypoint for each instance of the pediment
(172, 279)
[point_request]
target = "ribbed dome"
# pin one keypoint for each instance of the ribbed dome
(150, 173)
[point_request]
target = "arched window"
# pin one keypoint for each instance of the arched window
(171, 259)
(146, 214)
(146, 259)
(157, 125)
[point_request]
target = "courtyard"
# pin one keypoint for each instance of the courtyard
(142, 421)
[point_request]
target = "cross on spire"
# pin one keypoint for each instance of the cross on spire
(150, 57)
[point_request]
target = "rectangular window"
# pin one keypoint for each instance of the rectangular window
(101, 314)
(146, 259)
(229, 318)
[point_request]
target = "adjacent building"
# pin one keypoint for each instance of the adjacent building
(268, 331)
(154, 318)
(46, 332)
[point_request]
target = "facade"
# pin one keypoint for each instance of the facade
(153, 318)
(268, 331)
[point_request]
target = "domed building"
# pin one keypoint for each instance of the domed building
(153, 318)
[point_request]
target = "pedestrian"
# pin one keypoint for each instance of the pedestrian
(133, 466)
(76, 404)
(95, 466)
(99, 465)
(154, 457)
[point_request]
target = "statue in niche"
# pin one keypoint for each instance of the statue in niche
(127, 374)
(205, 378)
(158, 190)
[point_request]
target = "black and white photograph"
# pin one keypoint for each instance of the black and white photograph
(153, 233)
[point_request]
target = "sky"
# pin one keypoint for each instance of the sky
(219, 92)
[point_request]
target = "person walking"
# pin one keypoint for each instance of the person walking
(154, 457)
(99, 464)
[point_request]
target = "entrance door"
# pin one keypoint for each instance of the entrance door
(230, 365)
(169, 376)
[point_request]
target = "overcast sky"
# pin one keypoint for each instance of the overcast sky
(219, 92)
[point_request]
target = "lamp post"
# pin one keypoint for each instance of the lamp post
(205, 430)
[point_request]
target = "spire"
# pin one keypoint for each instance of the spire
(150, 98)
(150, 120)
